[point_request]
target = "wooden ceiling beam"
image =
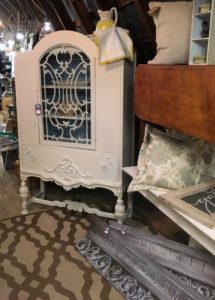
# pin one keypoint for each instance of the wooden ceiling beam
(20, 7)
(38, 7)
(4, 13)
(51, 14)
(84, 16)
(34, 12)
(5, 8)
(10, 5)
(104, 5)
(63, 15)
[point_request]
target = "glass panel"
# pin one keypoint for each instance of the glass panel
(66, 95)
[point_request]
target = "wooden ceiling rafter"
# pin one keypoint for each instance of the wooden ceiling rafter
(11, 6)
(63, 15)
(4, 13)
(36, 13)
(3, 16)
(18, 7)
(84, 15)
(5, 8)
(9, 10)
(104, 5)
(19, 4)
(51, 14)
(38, 7)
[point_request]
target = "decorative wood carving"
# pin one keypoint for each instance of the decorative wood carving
(68, 170)
(84, 15)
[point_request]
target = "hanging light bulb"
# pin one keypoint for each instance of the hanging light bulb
(19, 35)
(47, 26)
(46, 29)
(2, 44)
(19, 32)
(10, 43)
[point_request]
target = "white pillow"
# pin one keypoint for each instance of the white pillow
(173, 31)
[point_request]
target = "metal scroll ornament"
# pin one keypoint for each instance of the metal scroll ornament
(66, 95)
(146, 267)
(127, 285)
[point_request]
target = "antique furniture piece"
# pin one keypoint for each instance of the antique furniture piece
(74, 119)
(202, 33)
(180, 97)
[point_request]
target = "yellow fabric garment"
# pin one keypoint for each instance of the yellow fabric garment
(114, 44)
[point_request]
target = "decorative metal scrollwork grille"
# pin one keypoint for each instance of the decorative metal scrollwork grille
(66, 95)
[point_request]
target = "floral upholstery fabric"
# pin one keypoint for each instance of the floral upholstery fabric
(167, 161)
(208, 162)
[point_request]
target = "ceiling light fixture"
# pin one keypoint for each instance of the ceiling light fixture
(19, 35)
(46, 29)
(2, 44)
(19, 32)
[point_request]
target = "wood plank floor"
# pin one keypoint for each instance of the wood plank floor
(10, 202)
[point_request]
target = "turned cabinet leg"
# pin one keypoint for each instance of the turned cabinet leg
(24, 194)
(130, 205)
(120, 208)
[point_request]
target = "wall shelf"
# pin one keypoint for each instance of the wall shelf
(202, 34)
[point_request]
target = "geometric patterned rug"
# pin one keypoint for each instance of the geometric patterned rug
(38, 259)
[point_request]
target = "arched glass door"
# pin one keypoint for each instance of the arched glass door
(66, 102)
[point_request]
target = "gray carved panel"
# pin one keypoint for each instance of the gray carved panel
(156, 268)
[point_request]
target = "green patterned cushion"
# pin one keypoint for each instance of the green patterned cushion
(167, 162)
(208, 162)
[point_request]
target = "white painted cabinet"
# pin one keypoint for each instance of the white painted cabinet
(75, 118)
(202, 50)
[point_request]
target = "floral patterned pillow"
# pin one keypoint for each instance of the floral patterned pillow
(167, 162)
(208, 162)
